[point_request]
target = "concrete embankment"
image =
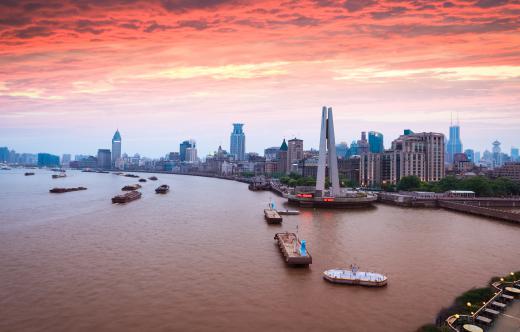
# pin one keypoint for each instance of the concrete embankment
(481, 211)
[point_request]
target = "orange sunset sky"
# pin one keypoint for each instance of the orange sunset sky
(72, 72)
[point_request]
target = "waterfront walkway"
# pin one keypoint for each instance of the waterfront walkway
(509, 321)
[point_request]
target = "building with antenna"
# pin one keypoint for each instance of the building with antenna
(116, 147)
(454, 144)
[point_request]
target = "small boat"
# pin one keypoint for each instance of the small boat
(57, 170)
(101, 171)
(125, 198)
(65, 190)
(163, 189)
(142, 180)
(131, 187)
(29, 173)
(118, 173)
(59, 175)
(153, 178)
(288, 212)
(353, 276)
(5, 168)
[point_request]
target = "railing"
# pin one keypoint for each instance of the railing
(452, 320)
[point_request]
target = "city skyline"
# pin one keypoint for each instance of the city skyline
(81, 70)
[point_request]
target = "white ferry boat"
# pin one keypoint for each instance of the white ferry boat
(353, 276)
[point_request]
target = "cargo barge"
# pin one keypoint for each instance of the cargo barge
(128, 197)
(29, 173)
(131, 187)
(65, 190)
(294, 251)
(57, 176)
(272, 216)
(353, 276)
(162, 189)
(153, 178)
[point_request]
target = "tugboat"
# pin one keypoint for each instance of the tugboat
(65, 190)
(153, 178)
(29, 173)
(353, 276)
(142, 180)
(125, 198)
(131, 187)
(162, 189)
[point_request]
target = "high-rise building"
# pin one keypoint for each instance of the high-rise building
(476, 158)
(514, 154)
(65, 160)
(116, 147)
(271, 153)
(48, 160)
(294, 154)
(375, 142)
(470, 154)
(238, 142)
(282, 158)
(182, 148)
(362, 144)
(454, 144)
(342, 150)
(191, 154)
(4, 154)
(497, 154)
(104, 159)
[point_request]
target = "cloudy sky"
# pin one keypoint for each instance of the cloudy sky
(71, 73)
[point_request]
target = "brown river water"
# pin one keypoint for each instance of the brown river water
(202, 258)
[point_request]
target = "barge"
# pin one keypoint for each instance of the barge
(353, 276)
(131, 176)
(153, 178)
(272, 216)
(345, 200)
(131, 187)
(162, 189)
(29, 173)
(60, 175)
(294, 251)
(65, 190)
(142, 180)
(128, 197)
(288, 212)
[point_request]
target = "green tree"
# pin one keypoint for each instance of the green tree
(409, 183)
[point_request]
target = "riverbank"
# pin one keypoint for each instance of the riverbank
(477, 305)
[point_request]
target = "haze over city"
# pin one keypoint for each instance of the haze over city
(165, 71)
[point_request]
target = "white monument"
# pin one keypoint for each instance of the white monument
(327, 156)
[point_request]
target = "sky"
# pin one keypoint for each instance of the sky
(72, 72)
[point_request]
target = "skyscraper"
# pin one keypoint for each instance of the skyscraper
(104, 158)
(4, 154)
(48, 160)
(182, 148)
(362, 144)
(375, 142)
(294, 153)
(454, 144)
(497, 154)
(470, 154)
(238, 142)
(514, 154)
(282, 158)
(116, 147)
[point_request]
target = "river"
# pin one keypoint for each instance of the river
(202, 258)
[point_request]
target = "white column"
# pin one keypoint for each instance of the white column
(333, 158)
(322, 161)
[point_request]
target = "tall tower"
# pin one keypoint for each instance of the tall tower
(238, 142)
(116, 147)
(327, 155)
(454, 145)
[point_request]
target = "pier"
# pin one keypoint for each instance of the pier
(292, 249)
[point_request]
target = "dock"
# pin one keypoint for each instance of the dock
(272, 216)
(294, 252)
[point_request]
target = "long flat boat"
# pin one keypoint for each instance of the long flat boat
(29, 173)
(60, 175)
(348, 200)
(128, 197)
(131, 187)
(153, 178)
(65, 190)
(294, 251)
(353, 276)
(288, 212)
(272, 216)
(163, 189)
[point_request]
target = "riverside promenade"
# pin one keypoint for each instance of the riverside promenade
(493, 207)
(509, 321)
